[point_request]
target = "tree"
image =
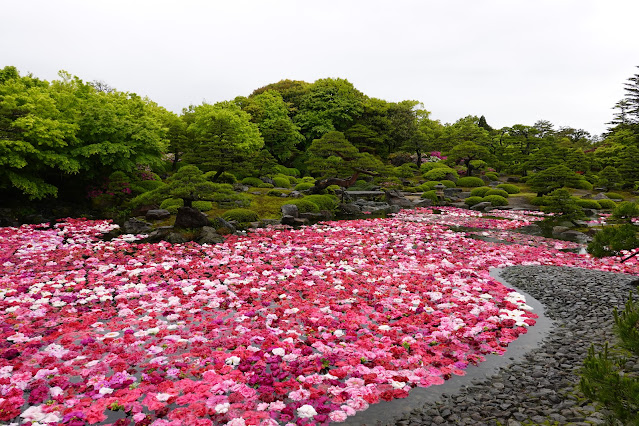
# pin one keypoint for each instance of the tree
(615, 241)
(189, 184)
(563, 206)
(609, 177)
(337, 162)
(223, 138)
(553, 178)
(468, 152)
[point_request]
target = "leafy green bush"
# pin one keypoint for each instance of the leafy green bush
(607, 204)
(150, 185)
(231, 199)
(274, 193)
(252, 181)
(240, 215)
(509, 188)
(496, 200)
(203, 206)
(406, 170)
(470, 182)
(588, 204)
(310, 179)
(178, 202)
(614, 195)
(480, 191)
(292, 180)
(492, 175)
(626, 210)
(303, 186)
(305, 206)
(427, 186)
(266, 185)
(448, 183)
(428, 166)
(430, 195)
(538, 201)
(499, 192)
(583, 184)
(471, 201)
(287, 171)
(438, 173)
(324, 202)
(281, 182)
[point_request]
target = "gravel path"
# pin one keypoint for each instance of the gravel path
(536, 383)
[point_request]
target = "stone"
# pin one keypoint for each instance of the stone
(556, 230)
(481, 206)
(175, 238)
(350, 209)
(312, 217)
(290, 210)
(600, 196)
(223, 227)
(208, 235)
(395, 198)
(136, 226)
(159, 234)
(423, 202)
(452, 192)
(157, 214)
(189, 217)
(294, 221)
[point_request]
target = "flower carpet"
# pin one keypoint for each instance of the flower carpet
(281, 326)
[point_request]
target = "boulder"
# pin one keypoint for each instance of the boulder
(290, 210)
(159, 234)
(189, 217)
(136, 226)
(350, 209)
(481, 206)
(600, 196)
(556, 230)
(208, 235)
(424, 202)
(574, 235)
(175, 238)
(452, 192)
(157, 214)
(395, 198)
(312, 217)
(222, 226)
(293, 221)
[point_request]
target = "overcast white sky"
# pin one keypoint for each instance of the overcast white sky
(513, 61)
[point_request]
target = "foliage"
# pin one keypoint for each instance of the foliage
(324, 202)
(562, 205)
(252, 181)
(203, 206)
(448, 183)
(439, 173)
(190, 184)
(614, 195)
(539, 201)
(178, 202)
(583, 184)
(614, 240)
(427, 186)
(469, 182)
(610, 177)
(492, 175)
(150, 185)
(406, 170)
(626, 210)
(428, 166)
(305, 206)
(509, 188)
(607, 204)
(471, 201)
(431, 195)
(468, 152)
(241, 216)
(281, 182)
(496, 200)
(588, 204)
(288, 171)
(303, 186)
(274, 193)
(479, 191)
(499, 192)
(553, 178)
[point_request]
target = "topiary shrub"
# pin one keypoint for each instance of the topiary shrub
(614, 195)
(169, 202)
(470, 182)
(448, 183)
(305, 206)
(492, 175)
(303, 186)
(499, 192)
(538, 201)
(281, 182)
(431, 195)
(588, 204)
(150, 185)
(471, 201)
(266, 185)
(240, 215)
(252, 181)
(428, 166)
(310, 179)
(324, 202)
(480, 191)
(287, 171)
(509, 188)
(292, 180)
(427, 186)
(607, 204)
(438, 173)
(626, 210)
(203, 206)
(496, 200)
(583, 184)
(274, 193)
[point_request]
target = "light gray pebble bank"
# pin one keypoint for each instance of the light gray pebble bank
(540, 384)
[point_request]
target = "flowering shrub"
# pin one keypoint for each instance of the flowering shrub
(301, 326)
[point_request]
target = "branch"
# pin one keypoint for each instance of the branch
(631, 256)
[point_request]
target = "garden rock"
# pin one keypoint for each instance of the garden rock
(452, 192)
(312, 217)
(136, 226)
(175, 238)
(600, 196)
(157, 214)
(350, 209)
(481, 206)
(295, 194)
(208, 235)
(556, 230)
(293, 221)
(189, 217)
(159, 234)
(222, 226)
(423, 203)
(290, 210)
(395, 198)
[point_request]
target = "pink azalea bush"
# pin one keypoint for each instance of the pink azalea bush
(303, 326)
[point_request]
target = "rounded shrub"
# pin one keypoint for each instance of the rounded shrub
(240, 215)
(427, 186)
(492, 175)
(470, 182)
(626, 209)
(499, 192)
(428, 166)
(203, 206)
(509, 188)
(310, 179)
(496, 200)
(324, 202)
(538, 201)
(583, 184)
(431, 195)
(292, 180)
(471, 201)
(303, 186)
(150, 185)
(607, 204)
(281, 182)
(305, 206)
(266, 185)
(274, 193)
(614, 195)
(227, 177)
(252, 181)
(480, 191)
(172, 202)
(588, 204)
(448, 183)
(438, 173)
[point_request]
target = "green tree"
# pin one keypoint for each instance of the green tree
(563, 206)
(609, 177)
(615, 240)
(223, 138)
(468, 152)
(189, 184)
(553, 178)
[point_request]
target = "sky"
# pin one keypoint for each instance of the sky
(513, 61)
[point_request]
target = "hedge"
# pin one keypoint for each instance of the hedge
(470, 182)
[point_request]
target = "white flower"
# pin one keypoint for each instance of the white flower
(222, 408)
(233, 360)
(384, 327)
(111, 335)
(338, 333)
(306, 411)
(278, 351)
(162, 397)
(35, 414)
(106, 391)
